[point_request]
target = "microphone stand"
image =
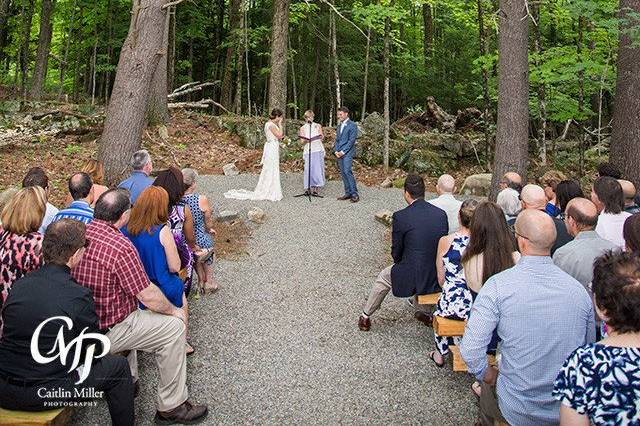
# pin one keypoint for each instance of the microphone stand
(308, 192)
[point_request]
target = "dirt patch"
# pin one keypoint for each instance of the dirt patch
(231, 239)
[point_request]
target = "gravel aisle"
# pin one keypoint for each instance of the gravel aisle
(279, 343)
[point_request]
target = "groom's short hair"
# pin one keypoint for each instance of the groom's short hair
(414, 186)
(344, 109)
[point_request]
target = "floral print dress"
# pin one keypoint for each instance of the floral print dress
(602, 382)
(176, 224)
(455, 300)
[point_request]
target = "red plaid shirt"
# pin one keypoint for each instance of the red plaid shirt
(112, 269)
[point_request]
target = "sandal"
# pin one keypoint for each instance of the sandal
(432, 357)
(193, 350)
(476, 389)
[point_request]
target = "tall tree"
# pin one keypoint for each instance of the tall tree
(512, 142)
(5, 6)
(44, 45)
(125, 120)
(157, 108)
(626, 113)
(25, 45)
(427, 42)
(334, 57)
(387, 117)
(234, 32)
(279, 42)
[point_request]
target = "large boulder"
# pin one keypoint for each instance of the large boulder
(448, 145)
(373, 127)
(426, 161)
(477, 185)
(251, 129)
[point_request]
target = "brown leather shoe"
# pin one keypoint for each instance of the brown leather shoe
(186, 414)
(364, 323)
(425, 318)
(355, 199)
(344, 198)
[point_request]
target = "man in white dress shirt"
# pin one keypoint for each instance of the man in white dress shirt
(447, 202)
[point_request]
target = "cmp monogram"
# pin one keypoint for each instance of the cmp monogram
(65, 349)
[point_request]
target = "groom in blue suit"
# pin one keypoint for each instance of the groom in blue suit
(345, 150)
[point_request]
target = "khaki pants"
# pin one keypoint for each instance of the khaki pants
(489, 409)
(165, 337)
(380, 289)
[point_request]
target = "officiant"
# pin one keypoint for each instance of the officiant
(311, 135)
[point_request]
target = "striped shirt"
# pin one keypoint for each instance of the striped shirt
(78, 210)
(542, 315)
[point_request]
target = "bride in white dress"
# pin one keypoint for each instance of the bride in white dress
(268, 187)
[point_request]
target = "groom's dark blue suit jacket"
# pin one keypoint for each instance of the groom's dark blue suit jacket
(346, 139)
(416, 232)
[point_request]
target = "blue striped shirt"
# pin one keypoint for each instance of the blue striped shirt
(78, 210)
(542, 315)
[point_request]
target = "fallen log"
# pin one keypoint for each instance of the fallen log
(192, 89)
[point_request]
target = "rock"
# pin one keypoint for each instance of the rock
(163, 133)
(385, 217)
(387, 183)
(256, 215)
(478, 185)
(9, 107)
(227, 216)
(230, 169)
(426, 161)
(250, 130)
(468, 118)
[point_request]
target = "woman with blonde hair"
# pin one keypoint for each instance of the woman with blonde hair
(20, 241)
(95, 170)
(148, 231)
(311, 135)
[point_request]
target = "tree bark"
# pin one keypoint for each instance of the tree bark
(171, 46)
(237, 103)
(25, 45)
(366, 74)
(139, 57)
(334, 57)
(387, 118)
(157, 109)
(626, 112)
(279, 38)
(227, 79)
(67, 45)
(5, 7)
(44, 45)
(427, 17)
(537, 47)
(512, 140)
(482, 33)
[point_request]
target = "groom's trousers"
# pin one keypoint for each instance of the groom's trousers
(380, 289)
(346, 170)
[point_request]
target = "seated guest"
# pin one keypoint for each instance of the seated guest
(180, 220)
(566, 191)
(80, 209)
(577, 256)
(446, 201)
(112, 269)
(417, 230)
(599, 383)
(95, 170)
(511, 180)
(36, 176)
(203, 228)
(608, 197)
(549, 181)
(509, 201)
(20, 241)
(139, 179)
(629, 192)
(455, 299)
(541, 314)
(609, 169)
(39, 296)
(534, 197)
(631, 232)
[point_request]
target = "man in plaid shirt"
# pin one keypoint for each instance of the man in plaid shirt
(112, 269)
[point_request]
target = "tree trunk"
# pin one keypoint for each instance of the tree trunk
(25, 45)
(171, 55)
(387, 118)
(366, 74)
(227, 79)
(334, 56)
(512, 140)
(4, 33)
(294, 86)
(537, 47)
(482, 33)
(314, 86)
(139, 58)
(279, 37)
(237, 103)
(626, 113)
(157, 109)
(67, 45)
(107, 74)
(579, 48)
(427, 17)
(44, 45)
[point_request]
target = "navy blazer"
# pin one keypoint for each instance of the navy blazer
(346, 139)
(416, 232)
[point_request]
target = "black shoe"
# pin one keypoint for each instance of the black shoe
(136, 388)
(344, 198)
(355, 199)
(186, 414)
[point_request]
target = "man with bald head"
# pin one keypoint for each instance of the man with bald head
(534, 198)
(576, 257)
(80, 209)
(511, 180)
(445, 188)
(541, 314)
(629, 191)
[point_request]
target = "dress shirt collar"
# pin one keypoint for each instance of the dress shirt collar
(81, 204)
(103, 224)
(139, 172)
(57, 268)
(587, 235)
(536, 260)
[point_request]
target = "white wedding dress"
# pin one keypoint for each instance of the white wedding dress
(268, 187)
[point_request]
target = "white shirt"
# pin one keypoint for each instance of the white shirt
(343, 124)
(610, 227)
(49, 214)
(451, 207)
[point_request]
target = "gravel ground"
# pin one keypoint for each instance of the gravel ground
(279, 343)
